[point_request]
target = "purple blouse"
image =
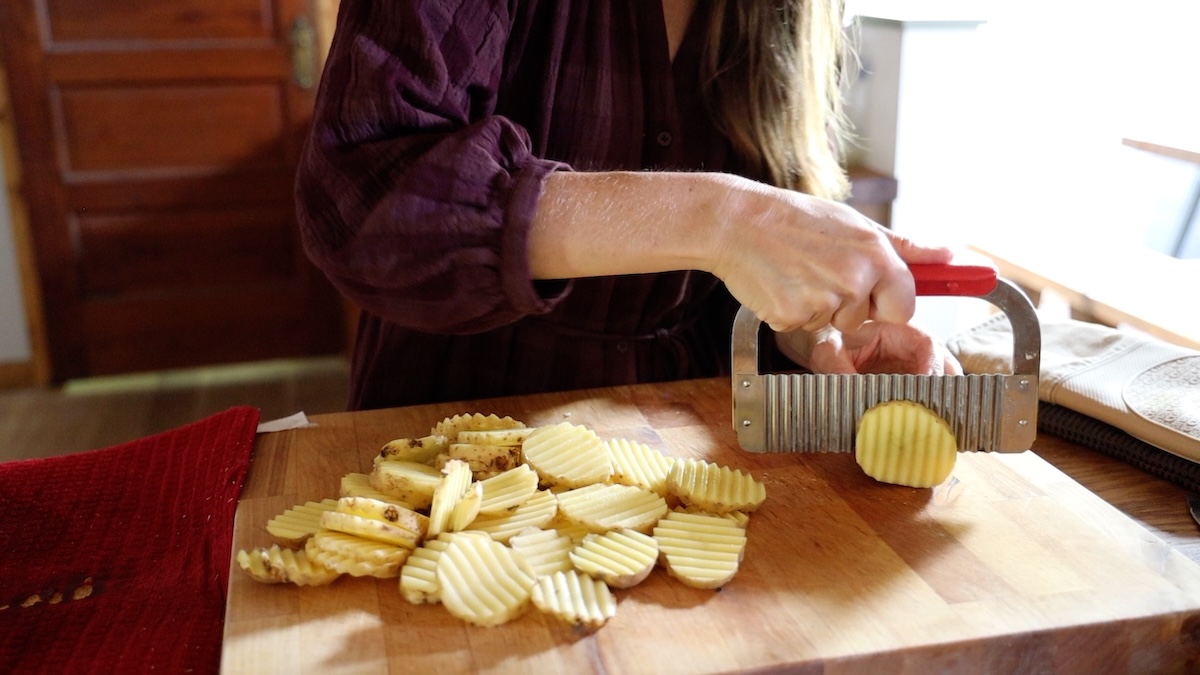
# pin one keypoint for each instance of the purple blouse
(435, 125)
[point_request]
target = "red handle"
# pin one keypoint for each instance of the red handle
(973, 276)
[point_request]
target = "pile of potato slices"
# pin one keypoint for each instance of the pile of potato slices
(489, 517)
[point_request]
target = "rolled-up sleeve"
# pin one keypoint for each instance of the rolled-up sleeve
(412, 196)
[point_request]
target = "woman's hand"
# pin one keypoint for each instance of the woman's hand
(873, 347)
(804, 263)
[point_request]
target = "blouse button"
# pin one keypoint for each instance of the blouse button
(664, 138)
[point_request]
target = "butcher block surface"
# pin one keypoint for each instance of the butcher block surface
(1010, 566)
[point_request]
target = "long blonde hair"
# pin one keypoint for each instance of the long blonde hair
(771, 72)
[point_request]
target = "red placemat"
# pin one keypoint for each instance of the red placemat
(117, 560)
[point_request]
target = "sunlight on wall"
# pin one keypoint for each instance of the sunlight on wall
(1066, 81)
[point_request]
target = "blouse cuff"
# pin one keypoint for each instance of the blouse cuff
(525, 295)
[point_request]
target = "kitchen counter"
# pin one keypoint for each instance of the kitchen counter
(1055, 560)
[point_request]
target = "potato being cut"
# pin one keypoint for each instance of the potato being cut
(905, 443)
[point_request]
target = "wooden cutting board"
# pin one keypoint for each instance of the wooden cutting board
(1010, 566)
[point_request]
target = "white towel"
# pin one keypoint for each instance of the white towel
(1142, 385)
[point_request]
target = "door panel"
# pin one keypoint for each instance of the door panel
(159, 141)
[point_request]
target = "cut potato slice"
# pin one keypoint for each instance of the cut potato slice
(620, 558)
(713, 488)
(638, 464)
(537, 511)
(294, 526)
(485, 460)
(602, 507)
(575, 598)
(548, 551)
(378, 509)
(494, 436)
(506, 491)
(456, 479)
(905, 443)
(359, 485)
(703, 551)
(566, 455)
(451, 426)
(410, 482)
(376, 530)
(484, 582)
(275, 565)
(356, 556)
(421, 450)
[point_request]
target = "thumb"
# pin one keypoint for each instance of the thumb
(918, 254)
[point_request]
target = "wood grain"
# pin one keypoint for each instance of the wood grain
(1012, 566)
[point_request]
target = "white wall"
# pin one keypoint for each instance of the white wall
(1011, 129)
(14, 330)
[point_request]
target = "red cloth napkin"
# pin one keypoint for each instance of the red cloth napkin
(128, 550)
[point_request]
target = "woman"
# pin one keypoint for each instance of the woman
(542, 195)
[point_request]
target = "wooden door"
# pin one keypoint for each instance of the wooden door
(158, 141)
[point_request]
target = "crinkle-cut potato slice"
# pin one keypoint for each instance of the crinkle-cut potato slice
(575, 598)
(356, 556)
(548, 551)
(905, 443)
(638, 464)
(713, 488)
(506, 491)
(568, 528)
(619, 558)
(482, 581)
(451, 426)
(486, 460)
(566, 455)
(275, 565)
(418, 577)
(603, 506)
(537, 511)
(702, 551)
(456, 479)
(467, 509)
(494, 436)
(421, 450)
(359, 485)
(388, 512)
(410, 482)
(742, 519)
(367, 528)
(295, 525)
